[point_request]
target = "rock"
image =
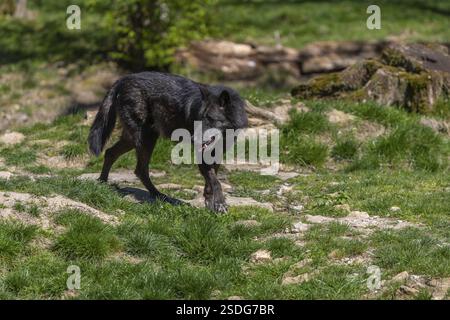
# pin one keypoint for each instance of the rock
(317, 219)
(283, 189)
(261, 256)
(329, 56)
(287, 175)
(242, 201)
(358, 215)
(439, 126)
(235, 298)
(299, 227)
(287, 280)
(239, 61)
(5, 175)
(401, 277)
(297, 208)
(394, 209)
(12, 138)
(412, 76)
(409, 291)
(339, 117)
(441, 287)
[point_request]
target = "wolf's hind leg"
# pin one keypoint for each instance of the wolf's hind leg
(112, 154)
(143, 154)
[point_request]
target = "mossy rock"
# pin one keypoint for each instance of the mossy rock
(413, 76)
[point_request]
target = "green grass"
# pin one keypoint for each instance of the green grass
(18, 155)
(253, 180)
(346, 148)
(14, 237)
(415, 251)
(86, 237)
(302, 22)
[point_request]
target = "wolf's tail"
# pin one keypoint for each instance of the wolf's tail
(104, 123)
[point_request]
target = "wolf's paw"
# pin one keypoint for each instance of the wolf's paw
(221, 207)
(217, 206)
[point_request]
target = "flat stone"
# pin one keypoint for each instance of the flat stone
(287, 280)
(261, 256)
(244, 201)
(283, 175)
(358, 215)
(401, 277)
(299, 227)
(317, 219)
(5, 175)
(339, 117)
(298, 208)
(12, 138)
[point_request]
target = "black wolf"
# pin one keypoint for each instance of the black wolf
(152, 105)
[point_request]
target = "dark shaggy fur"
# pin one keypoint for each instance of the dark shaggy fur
(152, 105)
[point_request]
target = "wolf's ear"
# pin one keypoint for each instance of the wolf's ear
(225, 99)
(205, 93)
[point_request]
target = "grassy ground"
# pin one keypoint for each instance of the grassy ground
(379, 160)
(301, 22)
(159, 251)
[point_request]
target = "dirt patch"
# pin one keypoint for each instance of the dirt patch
(362, 222)
(12, 138)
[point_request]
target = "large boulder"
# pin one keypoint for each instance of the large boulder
(412, 76)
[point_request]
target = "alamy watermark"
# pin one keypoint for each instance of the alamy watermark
(73, 22)
(374, 20)
(212, 146)
(74, 280)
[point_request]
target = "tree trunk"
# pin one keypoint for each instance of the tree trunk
(21, 9)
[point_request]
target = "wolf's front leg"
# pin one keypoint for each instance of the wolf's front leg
(214, 198)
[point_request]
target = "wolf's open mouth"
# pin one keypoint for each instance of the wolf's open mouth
(207, 143)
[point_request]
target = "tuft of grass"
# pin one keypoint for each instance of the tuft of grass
(204, 239)
(72, 151)
(411, 250)
(38, 276)
(417, 146)
(345, 149)
(253, 180)
(14, 237)
(140, 239)
(86, 237)
(306, 122)
(18, 155)
(303, 151)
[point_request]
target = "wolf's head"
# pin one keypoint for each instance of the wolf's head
(222, 109)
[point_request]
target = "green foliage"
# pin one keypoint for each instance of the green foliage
(345, 148)
(147, 32)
